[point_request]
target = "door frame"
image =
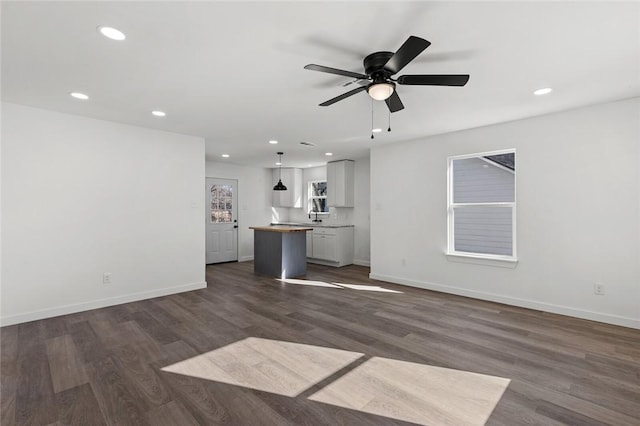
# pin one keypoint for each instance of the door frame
(207, 218)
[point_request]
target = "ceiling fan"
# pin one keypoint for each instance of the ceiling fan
(380, 66)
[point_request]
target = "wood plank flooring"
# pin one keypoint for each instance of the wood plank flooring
(113, 366)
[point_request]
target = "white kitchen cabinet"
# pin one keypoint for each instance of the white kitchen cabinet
(340, 183)
(325, 248)
(292, 179)
(331, 246)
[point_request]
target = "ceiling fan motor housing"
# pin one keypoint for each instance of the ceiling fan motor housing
(374, 66)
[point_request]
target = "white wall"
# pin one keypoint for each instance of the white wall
(358, 215)
(81, 197)
(578, 213)
(254, 200)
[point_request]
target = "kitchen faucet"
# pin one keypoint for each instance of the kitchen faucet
(316, 220)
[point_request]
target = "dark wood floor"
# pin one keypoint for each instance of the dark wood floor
(104, 366)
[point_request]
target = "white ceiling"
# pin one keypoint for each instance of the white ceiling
(232, 72)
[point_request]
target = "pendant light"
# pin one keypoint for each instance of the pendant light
(279, 186)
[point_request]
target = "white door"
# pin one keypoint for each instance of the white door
(222, 223)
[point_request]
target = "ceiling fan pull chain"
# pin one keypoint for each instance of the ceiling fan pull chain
(371, 118)
(389, 128)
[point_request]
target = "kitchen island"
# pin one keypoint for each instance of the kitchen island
(330, 244)
(280, 250)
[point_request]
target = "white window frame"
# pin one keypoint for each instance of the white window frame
(451, 206)
(310, 197)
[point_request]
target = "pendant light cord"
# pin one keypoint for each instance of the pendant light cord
(371, 118)
(280, 186)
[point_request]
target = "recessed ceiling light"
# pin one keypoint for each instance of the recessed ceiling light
(112, 33)
(159, 113)
(328, 154)
(79, 95)
(543, 91)
(376, 130)
(309, 165)
(225, 155)
(278, 164)
(273, 142)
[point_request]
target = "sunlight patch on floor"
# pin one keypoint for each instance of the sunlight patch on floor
(416, 393)
(359, 287)
(400, 390)
(362, 287)
(307, 282)
(275, 366)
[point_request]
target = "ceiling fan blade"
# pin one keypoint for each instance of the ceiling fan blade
(314, 67)
(434, 80)
(343, 96)
(394, 103)
(411, 48)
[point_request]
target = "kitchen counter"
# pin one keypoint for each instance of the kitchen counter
(311, 224)
(281, 228)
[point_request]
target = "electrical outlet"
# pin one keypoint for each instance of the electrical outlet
(106, 278)
(598, 289)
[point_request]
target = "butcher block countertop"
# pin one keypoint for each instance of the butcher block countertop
(313, 225)
(281, 228)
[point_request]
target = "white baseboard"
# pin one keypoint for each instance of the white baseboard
(362, 262)
(96, 304)
(523, 303)
(245, 259)
(322, 262)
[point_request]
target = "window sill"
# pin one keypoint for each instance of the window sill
(486, 260)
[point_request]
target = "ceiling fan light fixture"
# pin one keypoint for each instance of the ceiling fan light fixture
(380, 91)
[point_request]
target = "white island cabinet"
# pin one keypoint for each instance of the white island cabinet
(340, 183)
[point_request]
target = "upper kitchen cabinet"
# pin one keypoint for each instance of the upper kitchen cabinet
(340, 183)
(292, 179)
